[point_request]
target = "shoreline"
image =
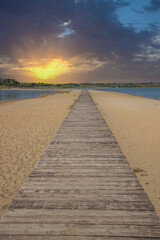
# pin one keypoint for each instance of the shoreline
(73, 88)
(135, 122)
(27, 88)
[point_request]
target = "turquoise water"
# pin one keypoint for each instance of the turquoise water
(150, 92)
(20, 94)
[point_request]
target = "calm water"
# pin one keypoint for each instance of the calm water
(19, 94)
(153, 92)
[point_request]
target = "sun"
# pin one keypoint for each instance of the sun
(51, 70)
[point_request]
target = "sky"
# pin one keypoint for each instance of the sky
(62, 41)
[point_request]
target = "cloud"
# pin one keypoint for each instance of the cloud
(46, 69)
(154, 6)
(77, 30)
(97, 30)
(27, 24)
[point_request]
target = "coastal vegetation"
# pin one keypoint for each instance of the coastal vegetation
(13, 83)
(137, 170)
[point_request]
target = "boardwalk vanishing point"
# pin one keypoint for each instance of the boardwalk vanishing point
(82, 188)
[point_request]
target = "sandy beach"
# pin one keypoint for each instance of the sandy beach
(26, 128)
(135, 122)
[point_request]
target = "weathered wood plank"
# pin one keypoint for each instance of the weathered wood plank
(80, 230)
(91, 198)
(82, 205)
(71, 237)
(83, 216)
(82, 192)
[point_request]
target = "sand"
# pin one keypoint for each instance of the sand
(135, 122)
(26, 128)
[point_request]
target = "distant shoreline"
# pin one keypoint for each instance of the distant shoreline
(70, 88)
(12, 83)
(27, 88)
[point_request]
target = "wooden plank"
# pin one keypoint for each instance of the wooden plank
(82, 205)
(80, 230)
(91, 198)
(104, 181)
(83, 216)
(82, 192)
(71, 237)
(82, 188)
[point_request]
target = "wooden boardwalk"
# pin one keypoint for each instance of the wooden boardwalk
(82, 188)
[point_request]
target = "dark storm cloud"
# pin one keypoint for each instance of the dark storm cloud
(96, 25)
(25, 24)
(98, 29)
(35, 26)
(121, 3)
(59, 8)
(154, 5)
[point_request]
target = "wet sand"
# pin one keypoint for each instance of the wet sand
(135, 122)
(26, 128)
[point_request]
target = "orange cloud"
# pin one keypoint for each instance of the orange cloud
(51, 70)
(47, 69)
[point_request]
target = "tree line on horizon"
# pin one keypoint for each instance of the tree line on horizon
(14, 83)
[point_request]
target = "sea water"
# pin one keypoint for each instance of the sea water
(150, 92)
(20, 94)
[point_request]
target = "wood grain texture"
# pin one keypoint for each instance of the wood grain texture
(82, 188)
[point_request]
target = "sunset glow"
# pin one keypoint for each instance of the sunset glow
(51, 70)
